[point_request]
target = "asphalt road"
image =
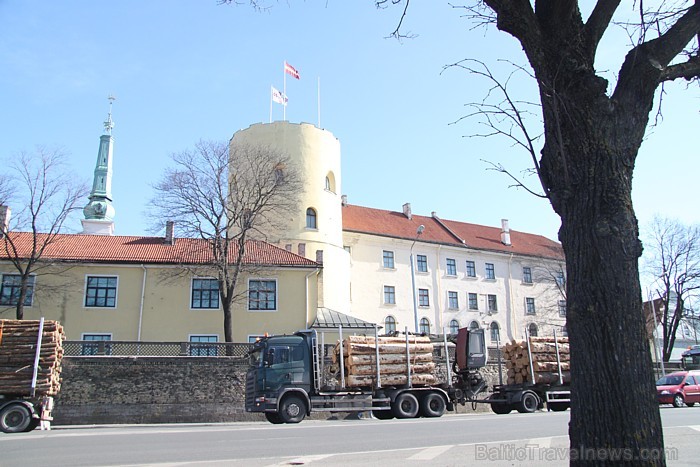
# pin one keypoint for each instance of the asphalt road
(494, 440)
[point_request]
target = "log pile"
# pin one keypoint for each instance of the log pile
(359, 358)
(544, 360)
(18, 343)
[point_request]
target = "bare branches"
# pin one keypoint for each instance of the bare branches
(381, 4)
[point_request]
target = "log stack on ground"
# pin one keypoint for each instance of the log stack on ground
(18, 344)
(360, 357)
(544, 360)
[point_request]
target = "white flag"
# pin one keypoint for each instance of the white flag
(278, 96)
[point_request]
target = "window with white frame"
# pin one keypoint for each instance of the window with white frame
(453, 300)
(495, 332)
(388, 259)
(562, 308)
(389, 325)
(451, 267)
(474, 325)
(262, 295)
(424, 326)
(200, 345)
(560, 278)
(389, 295)
(532, 329)
(454, 326)
(473, 301)
(94, 344)
(530, 306)
(423, 297)
(527, 275)
(492, 302)
(10, 289)
(422, 263)
(101, 291)
(564, 332)
(490, 271)
(205, 293)
(471, 269)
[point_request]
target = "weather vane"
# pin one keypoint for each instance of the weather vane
(109, 124)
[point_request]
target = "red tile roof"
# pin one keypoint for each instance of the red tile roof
(446, 232)
(149, 250)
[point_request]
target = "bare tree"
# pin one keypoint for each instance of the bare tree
(673, 260)
(226, 200)
(44, 194)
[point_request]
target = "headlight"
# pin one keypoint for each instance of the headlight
(665, 392)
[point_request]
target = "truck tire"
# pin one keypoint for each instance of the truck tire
(528, 402)
(292, 409)
(15, 418)
(274, 418)
(405, 405)
(383, 414)
(432, 405)
(501, 408)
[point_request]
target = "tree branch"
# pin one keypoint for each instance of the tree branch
(598, 23)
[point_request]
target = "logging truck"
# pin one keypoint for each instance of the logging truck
(30, 365)
(289, 377)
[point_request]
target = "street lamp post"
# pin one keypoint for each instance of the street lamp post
(419, 231)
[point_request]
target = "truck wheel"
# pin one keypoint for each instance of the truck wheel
(501, 408)
(432, 405)
(678, 400)
(383, 414)
(15, 418)
(528, 403)
(405, 405)
(273, 417)
(292, 410)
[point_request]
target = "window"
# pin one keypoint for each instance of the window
(473, 326)
(389, 325)
(473, 301)
(452, 300)
(560, 279)
(451, 267)
(10, 289)
(198, 347)
(388, 258)
(424, 326)
(532, 329)
(423, 299)
(495, 332)
(527, 275)
(422, 261)
(562, 308)
(96, 345)
(564, 332)
(101, 292)
(311, 218)
(471, 269)
(262, 295)
(205, 293)
(328, 184)
(490, 271)
(389, 295)
(529, 306)
(454, 326)
(492, 302)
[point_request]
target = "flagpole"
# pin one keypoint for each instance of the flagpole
(319, 101)
(284, 74)
(270, 103)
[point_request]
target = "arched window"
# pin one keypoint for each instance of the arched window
(389, 325)
(473, 326)
(532, 329)
(424, 326)
(495, 334)
(311, 219)
(454, 326)
(330, 182)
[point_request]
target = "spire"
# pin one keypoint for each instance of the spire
(99, 212)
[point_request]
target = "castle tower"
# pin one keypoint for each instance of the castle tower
(315, 229)
(99, 212)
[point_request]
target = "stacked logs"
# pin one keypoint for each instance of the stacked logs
(544, 360)
(360, 357)
(18, 343)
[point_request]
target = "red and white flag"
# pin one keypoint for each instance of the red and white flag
(290, 70)
(278, 96)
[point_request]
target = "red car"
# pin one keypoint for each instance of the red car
(681, 387)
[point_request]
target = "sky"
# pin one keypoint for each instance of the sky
(184, 71)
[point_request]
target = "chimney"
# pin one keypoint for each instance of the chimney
(169, 233)
(288, 247)
(301, 249)
(319, 256)
(4, 220)
(344, 200)
(505, 232)
(407, 211)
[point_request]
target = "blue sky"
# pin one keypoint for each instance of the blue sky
(183, 71)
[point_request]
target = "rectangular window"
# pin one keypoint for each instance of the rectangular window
(452, 300)
(388, 257)
(422, 261)
(560, 279)
(101, 292)
(529, 306)
(490, 271)
(95, 344)
(562, 308)
(473, 301)
(451, 267)
(10, 289)
(471, 269)
(199, 347)
(527, 275)
(389, 295)
(205, 293)
(423, 298)
(492, 302)
(262, 295)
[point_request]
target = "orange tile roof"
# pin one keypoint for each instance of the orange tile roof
(446, 232)
(149, 250)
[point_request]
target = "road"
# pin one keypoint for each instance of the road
(495, 440)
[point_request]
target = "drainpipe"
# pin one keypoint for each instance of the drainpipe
(306, 288)
(143, 295)
(440, 318)
(510, 317)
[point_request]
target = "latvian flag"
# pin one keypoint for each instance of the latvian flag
(289, 69)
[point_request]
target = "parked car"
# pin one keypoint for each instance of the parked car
(681, 387)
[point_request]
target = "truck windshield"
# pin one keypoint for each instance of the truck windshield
(255, 357)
